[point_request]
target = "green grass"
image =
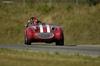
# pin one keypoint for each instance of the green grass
(13, 57)
(81, 23)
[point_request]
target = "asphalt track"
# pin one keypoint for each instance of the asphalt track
(89, 50)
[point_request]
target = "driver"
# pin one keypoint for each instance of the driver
(33, 21)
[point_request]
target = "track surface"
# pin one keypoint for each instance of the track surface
(91, 50)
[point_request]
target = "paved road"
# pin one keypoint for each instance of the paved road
(91, 50)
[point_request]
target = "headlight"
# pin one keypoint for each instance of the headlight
(53, 28)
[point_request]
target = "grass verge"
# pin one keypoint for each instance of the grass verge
(13, 57)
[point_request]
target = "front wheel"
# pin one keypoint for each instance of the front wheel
(27, 42)
(60, 42)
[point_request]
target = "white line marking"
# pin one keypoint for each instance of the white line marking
(48, 28)
(41, 28)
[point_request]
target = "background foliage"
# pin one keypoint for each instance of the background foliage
(80, 19)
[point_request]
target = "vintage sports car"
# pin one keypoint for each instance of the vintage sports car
(47, 33)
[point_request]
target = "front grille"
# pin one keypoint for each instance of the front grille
(45, 35)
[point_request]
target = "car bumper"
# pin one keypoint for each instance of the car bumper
(43, 37)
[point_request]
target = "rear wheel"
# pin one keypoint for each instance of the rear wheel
(27, 42)
(60, 42)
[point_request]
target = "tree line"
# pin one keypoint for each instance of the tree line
(93, 2)
(90, 2)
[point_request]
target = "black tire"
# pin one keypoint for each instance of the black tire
(27, 42)
(60, 42)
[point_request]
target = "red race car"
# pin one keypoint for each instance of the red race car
(44, 33)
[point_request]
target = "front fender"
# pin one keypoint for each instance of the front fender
(58, 33)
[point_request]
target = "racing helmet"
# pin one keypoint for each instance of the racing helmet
(34, 19)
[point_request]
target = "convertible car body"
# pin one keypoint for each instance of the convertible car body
(44, 33)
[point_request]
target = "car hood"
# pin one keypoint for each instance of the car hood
(42, 28)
